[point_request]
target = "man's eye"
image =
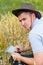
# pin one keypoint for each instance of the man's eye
(20, 20)
(24, 19)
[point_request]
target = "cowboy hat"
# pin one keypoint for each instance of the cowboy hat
(26, 8)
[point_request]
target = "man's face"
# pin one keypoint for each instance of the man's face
(25, 19)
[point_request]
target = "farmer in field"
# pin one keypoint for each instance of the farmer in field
(31, 19)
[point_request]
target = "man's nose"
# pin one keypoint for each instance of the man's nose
(22, 22)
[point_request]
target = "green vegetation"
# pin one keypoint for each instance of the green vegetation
(9, 5)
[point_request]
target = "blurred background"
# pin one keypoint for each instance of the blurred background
(11, 31)
(9, 5)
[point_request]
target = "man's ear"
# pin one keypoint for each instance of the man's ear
(33, 16)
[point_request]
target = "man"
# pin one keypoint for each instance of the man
(31, 19)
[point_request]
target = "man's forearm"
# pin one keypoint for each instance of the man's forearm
(27, 60)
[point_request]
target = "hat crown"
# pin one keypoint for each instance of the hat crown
(27, 6)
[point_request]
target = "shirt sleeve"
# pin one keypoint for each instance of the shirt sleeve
(36, 43)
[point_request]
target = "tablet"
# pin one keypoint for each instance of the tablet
(11, 49)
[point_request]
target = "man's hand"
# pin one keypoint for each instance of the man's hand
(16, 56)
(19, 48)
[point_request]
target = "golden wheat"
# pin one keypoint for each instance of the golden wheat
(11, 32)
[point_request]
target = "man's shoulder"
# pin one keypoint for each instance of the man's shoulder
(41, 18)
(37, 28)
